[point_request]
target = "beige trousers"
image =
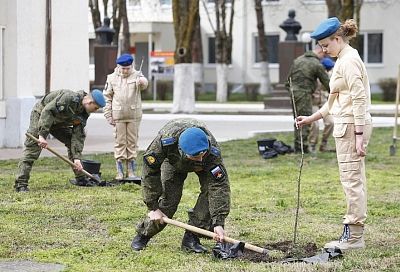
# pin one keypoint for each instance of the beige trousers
(352, 172)
(314, 131)
(126, 137)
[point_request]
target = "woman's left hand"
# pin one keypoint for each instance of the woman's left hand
(360, 146)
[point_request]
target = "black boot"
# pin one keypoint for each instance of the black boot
(139, 242)
(22, 188)
(191, 243)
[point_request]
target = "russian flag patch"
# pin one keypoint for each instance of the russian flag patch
(218, 172)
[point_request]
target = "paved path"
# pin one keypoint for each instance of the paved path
(224, 127)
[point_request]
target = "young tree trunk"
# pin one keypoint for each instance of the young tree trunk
(94, 10)
(197, 57)
(116, 21)
(223, 45)
(265, 81)
(126, 37)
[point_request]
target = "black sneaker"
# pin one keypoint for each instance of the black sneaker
(139, 242)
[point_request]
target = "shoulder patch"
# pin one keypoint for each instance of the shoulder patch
(218, 173)
(215, 151)
(167, 141)
(150, 160)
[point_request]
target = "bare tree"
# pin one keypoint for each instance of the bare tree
(223, 45)
(265, 84)
(345, 9)
(116, 21)
(197, 57)
(185, 16)
(126, 42)
(94, 10)
(119, 18)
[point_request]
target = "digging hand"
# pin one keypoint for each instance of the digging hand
(157, 216)
(220, 233)
(78, 165)
(42, 142)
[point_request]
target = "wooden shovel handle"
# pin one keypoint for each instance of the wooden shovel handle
(212, 235)
(62, 157)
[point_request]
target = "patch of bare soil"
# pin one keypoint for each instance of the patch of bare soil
(280, 251)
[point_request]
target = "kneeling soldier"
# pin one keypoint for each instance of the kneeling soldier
(183, 146)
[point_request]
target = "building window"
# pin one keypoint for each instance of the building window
(211, 49)
(226, 1)
(272, 47)
(371, 47)
(91, 51)
(134, 3)
(165, 2)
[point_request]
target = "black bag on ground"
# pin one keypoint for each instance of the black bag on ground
(228, 250)
(269, 153)
(282, 148)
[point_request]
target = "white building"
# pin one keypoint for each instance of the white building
(152, 29)
(23, 29)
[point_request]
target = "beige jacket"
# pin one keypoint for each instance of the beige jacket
(123, 98)
(350, 97)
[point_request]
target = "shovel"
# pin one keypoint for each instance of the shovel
(64, 159)
(135, 180)
(396, 112)
(212, 235)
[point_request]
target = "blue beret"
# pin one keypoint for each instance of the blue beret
(98, 97)
(326, 28)
(328, 63)
(125, 60)
(193, 141)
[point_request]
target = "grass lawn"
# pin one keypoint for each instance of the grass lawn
(90, 229)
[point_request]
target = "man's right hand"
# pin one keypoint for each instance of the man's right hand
(42, 142)
(157, 215)
(111, 121)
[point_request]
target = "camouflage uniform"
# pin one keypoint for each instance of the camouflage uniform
(61, 114)
(165, 170)
(304, 73)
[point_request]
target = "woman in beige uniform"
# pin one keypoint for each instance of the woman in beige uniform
(349, 103)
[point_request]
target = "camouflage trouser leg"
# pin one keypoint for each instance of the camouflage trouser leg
(303, 102)
(31, 153)
(200, 216)
(314, 130)
(172, 183)
(64, 135)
